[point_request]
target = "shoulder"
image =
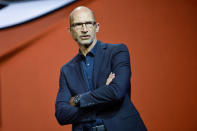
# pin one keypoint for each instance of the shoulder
(115, 46)
(69, 64)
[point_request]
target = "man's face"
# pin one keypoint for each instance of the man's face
(83, 27)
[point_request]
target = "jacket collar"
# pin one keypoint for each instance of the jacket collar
(98, 46)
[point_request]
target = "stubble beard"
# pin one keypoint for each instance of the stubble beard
(86, 45)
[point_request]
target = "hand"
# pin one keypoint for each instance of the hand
(110, 78)
(72, 101)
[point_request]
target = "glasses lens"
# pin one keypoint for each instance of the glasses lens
(88, 24)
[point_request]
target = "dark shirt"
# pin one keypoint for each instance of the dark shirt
(87, 65)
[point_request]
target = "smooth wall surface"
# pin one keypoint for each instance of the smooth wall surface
(160, 35)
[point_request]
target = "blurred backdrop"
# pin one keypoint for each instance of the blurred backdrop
(160, 35)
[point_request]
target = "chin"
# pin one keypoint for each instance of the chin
(86, 43)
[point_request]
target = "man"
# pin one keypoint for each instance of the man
(94, 92)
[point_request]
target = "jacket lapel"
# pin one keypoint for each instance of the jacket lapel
(100, 53)
(79, 74)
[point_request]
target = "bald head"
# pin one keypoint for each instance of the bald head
(79, 10)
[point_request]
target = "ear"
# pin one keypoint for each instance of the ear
(69, 29)
(97, 27)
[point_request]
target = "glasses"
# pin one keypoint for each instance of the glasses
(88, 24)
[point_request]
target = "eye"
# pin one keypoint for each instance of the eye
(78, 24)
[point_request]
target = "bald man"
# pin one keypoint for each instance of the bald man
(94, 87)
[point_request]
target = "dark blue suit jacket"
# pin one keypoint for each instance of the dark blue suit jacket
(110, 103)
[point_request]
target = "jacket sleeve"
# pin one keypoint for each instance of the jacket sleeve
(64, 112)
(120, 85)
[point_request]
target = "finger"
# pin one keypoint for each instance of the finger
(110, 78)
(113, 75)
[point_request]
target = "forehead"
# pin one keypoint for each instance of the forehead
(82, 16)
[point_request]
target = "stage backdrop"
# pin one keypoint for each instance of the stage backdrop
(160, 35)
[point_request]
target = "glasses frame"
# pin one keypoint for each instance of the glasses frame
(80, 24)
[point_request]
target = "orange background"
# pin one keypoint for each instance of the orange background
(160, 35)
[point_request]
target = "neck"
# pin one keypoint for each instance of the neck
(85, 49)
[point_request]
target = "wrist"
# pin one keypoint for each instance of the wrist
(76, 100)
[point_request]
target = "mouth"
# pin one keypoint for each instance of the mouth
(85, 37)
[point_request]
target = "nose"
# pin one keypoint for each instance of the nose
(84, 29)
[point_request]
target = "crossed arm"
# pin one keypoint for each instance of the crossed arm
(67, 112)
(108, 81)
